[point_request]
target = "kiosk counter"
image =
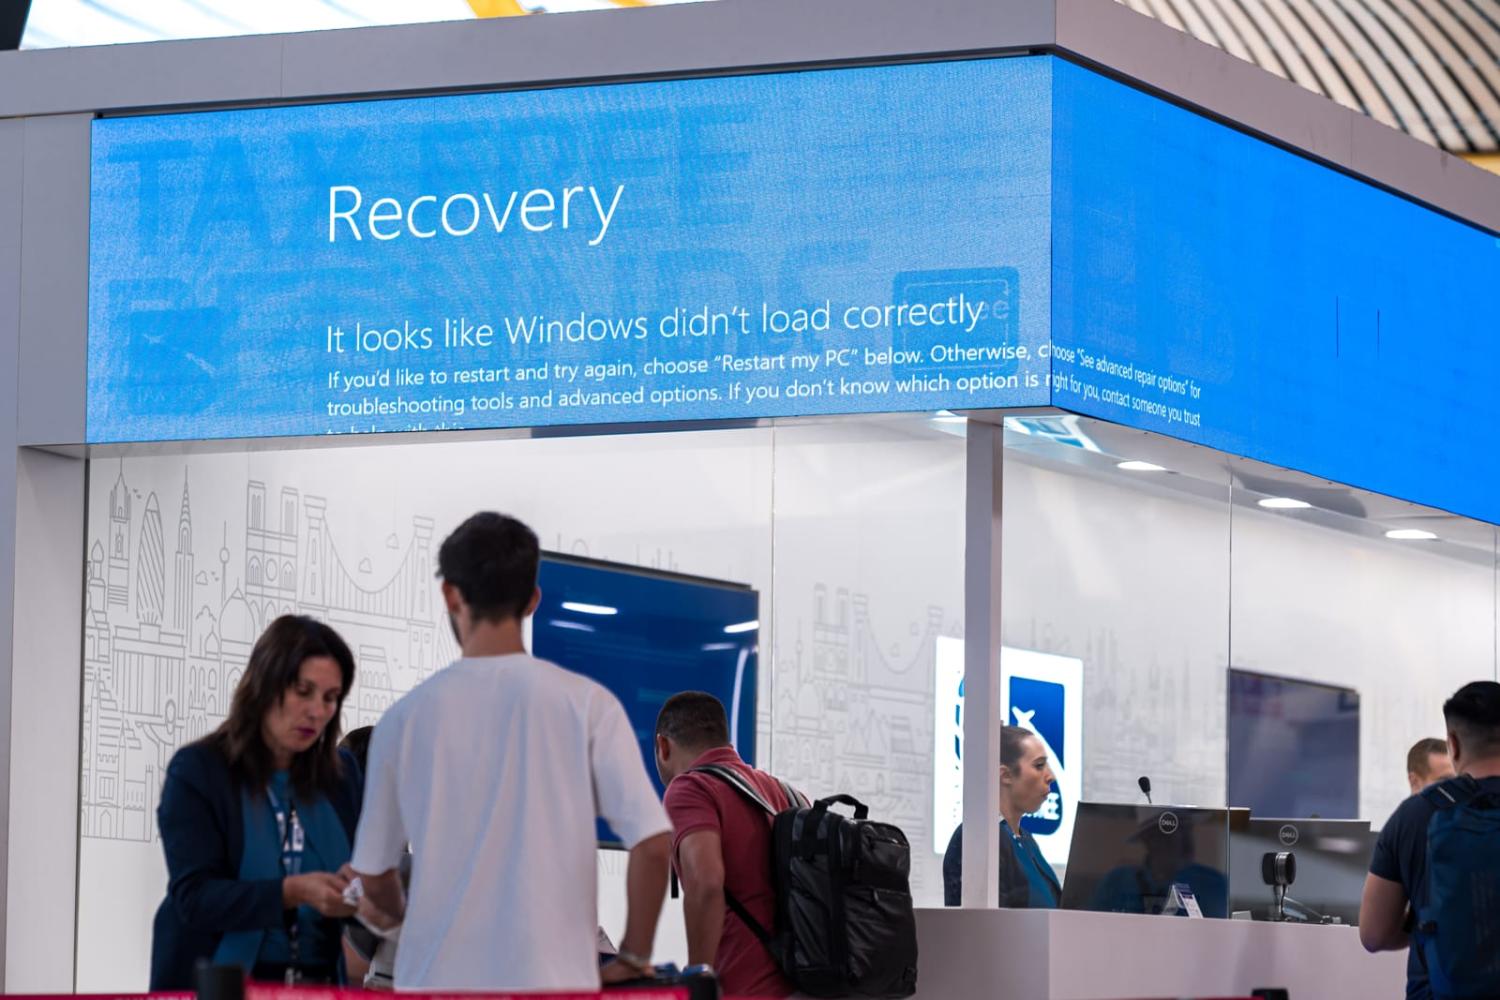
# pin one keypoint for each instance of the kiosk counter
(1039, 955)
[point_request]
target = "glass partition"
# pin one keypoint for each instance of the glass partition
(1116, 555)
(849, 532)
(1139, 576)
(1389, 605)
(192, 555)
(869, 548)
(1250, 637)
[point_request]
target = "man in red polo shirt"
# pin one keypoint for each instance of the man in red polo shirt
(721, 841)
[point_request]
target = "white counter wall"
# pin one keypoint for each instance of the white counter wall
(1064, 955)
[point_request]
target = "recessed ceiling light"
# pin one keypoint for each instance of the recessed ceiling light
(1410, 534)
(1134, 466)
(1284, 503)
(589, 609)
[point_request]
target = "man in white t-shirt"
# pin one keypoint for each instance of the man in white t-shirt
(494, 770)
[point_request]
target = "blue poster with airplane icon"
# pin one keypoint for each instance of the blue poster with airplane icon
(1042, 692)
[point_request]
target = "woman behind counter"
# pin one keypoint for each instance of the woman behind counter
(1026, 879)
(257, 819)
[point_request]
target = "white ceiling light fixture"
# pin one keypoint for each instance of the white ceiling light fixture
(589, 609)
(1137, 466)
(1283, 503)
(1410, 535)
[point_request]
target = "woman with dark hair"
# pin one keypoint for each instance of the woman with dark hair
(257, 819)
(1026, 879)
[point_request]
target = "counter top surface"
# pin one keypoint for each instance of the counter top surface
(1068, 955)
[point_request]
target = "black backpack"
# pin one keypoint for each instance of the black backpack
(844, 921)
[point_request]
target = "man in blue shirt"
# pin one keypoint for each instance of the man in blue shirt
(1397, 883)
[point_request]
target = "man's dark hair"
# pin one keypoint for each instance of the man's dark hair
(357, 742)
(1420, 755)
(492, 560)
(694, 719)
(1474, 714)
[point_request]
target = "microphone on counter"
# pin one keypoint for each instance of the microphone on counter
(1145, 784)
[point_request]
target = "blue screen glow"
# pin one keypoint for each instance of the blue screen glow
(646, 636)
(964, 235)
(822, 242)
(1216, 288)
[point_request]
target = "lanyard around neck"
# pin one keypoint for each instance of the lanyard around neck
(287, 827)
(287, 830)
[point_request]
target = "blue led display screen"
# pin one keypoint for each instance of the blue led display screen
(964, 235)
(843, 241)
(1213, 287)
(647, 636)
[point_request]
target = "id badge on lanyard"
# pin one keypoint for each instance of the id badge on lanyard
(292, 838)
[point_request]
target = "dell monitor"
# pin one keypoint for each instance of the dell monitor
(1126, 858)
(1333, 856)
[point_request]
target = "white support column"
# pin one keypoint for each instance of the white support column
(12, 149)
(46, 678)
(984, 478)
(42, 545)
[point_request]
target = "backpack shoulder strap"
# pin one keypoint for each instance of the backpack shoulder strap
(794, 798)
(1453, 792)
(761, 934)
(737, 781)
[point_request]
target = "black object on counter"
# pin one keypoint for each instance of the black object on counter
(218, 982)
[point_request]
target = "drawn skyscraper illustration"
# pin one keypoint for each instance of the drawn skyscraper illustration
(119, 542)
(182, 570)
(150, 567)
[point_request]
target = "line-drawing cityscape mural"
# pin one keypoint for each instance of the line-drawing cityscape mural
(167, 634)
(855, 715)
(189, 561)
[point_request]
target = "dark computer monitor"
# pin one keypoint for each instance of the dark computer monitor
(1125, 858)
(1293, 746)
(646, 635)
(1333, 856)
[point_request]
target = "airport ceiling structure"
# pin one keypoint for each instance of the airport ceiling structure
(1428, 67)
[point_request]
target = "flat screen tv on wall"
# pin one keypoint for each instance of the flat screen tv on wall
(647, 635)
(1293, 747)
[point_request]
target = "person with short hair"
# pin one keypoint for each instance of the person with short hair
(1427, 762)
(256, 820)
(1026, 879)
(722, 845)
(1398, 876)
(494, 769)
